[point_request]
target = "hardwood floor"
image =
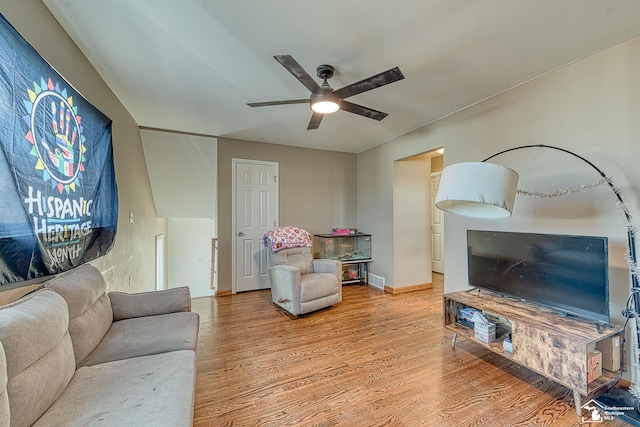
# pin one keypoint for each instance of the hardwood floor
(376, 359)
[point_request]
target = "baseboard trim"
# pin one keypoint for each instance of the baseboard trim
(411, 288)
(624, 383)
(224, 293)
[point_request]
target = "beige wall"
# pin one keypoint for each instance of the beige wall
(590, 107)
(189, 254)
(375, 198)
(183, 172)
(133, 252)
(411, 222)
(317, 191)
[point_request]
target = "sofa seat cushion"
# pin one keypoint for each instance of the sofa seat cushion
(38, 352)
(155, 390)
(141, 336)
(318, 285)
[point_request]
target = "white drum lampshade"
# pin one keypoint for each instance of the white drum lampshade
(477, 189)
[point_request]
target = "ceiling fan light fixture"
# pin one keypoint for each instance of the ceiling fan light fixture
(325, 106)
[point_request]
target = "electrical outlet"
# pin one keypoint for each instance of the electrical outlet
(130, 280)
(130, 217)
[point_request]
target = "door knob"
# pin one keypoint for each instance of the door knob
(240, 234)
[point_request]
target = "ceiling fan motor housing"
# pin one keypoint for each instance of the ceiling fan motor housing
(325, 101)
(325, 71)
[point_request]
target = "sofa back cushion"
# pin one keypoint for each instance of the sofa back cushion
(38, 352)
(153, 303)
(4, 396)
(90, 314)
(300, 257)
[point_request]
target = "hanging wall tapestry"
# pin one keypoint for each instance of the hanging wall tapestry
(59, 204)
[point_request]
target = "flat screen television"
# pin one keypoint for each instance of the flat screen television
(566, 273)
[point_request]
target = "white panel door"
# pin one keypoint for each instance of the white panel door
(160, 268)
(255, 213)
(437, 228)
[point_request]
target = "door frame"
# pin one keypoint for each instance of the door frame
(234, 225)
(161, 280)
(441, 214)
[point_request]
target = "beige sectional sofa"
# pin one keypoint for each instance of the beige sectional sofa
(73, 355)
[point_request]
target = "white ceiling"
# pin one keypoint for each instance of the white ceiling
(193, 65)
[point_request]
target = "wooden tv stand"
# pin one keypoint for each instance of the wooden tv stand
(544, 341)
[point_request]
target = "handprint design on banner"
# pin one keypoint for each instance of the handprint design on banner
(55, 129)
(62, 155)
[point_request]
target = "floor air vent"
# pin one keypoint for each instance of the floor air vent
(376, 281)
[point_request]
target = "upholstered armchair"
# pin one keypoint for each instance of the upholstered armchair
(301, 284)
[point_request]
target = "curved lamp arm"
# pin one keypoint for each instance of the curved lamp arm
(602, 174)
(487, 190)
(630, 230)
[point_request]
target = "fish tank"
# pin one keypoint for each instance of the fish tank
(352, 247)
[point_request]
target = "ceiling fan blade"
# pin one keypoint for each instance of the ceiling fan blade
(362, 111)
(316, 118)
(285, 102)
(298, 72)
(381, 79)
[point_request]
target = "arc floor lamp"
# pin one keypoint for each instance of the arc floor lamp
(487, 190)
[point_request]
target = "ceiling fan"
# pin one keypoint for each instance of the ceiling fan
(324, 99)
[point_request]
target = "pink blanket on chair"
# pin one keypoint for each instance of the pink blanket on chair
(286, 237)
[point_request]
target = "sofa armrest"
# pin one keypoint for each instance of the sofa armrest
(127, 306)
(327, 266)
(4, 394)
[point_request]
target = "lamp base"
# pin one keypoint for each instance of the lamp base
(622, 404)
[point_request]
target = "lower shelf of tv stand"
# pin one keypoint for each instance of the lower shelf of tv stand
(543, 341)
